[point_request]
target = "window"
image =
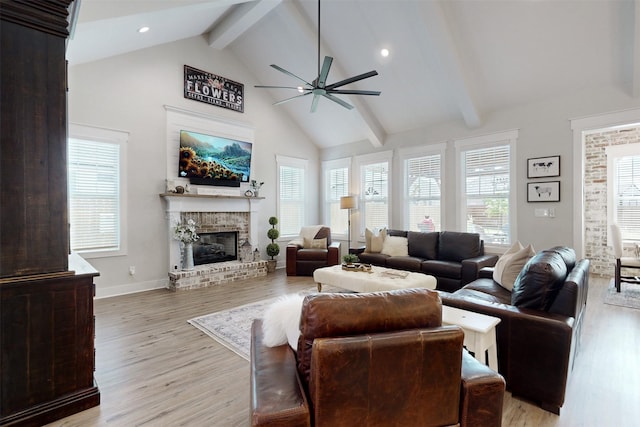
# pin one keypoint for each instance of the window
(96, 166)
(422, 189)
(336, 185)
(488, 200)
(623, 189)
(374, 170)
(291, 194)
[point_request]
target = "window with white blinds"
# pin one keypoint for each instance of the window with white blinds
(423, 185)
(486, 192)
(96, 203)
(624, 189)
(336, 179)
(291, 195)
(374, 194)
(487, 198)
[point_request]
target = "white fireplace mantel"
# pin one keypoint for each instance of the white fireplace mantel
(177, 203)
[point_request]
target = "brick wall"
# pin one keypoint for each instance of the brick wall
(595, 195)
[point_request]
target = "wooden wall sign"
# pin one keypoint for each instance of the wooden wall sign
(213, 89)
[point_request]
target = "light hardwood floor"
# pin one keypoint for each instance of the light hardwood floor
(154, 369)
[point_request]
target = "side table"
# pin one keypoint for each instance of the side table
(357, 251)
(479, 333)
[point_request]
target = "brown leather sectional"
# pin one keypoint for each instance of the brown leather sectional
(453, 258)
(541, 322)
(372, 359)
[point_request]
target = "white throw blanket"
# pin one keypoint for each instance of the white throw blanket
(308, 232)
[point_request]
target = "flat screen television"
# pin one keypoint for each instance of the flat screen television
(213, 160)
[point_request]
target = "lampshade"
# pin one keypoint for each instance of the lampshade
(347, 202)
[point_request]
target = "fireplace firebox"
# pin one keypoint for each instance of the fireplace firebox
(215, 247)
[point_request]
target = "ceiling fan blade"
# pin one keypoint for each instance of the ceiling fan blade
(289, 99)
(352, 79)
(314, 103)
(281, 87)
(326, 65)
(354, 92)
(339, 101)
(290, 74)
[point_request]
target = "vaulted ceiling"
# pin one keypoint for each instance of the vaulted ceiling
(449, 60)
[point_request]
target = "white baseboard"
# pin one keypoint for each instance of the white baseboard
(130, 288)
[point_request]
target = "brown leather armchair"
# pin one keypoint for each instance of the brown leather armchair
(372, 359)
(303, 259)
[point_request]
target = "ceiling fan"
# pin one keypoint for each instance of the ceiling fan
(319, 86)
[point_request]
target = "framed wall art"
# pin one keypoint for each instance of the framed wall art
(546, 191)
(543, 167)
(212, 89)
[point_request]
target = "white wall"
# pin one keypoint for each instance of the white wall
(128, 92)
(544, 130)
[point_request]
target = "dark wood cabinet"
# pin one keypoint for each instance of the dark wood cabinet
(46, 296)
(47, 339)
(33, 127)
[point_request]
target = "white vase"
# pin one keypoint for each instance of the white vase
(187, 260)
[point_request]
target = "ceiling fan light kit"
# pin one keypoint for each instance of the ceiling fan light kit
(319, 87)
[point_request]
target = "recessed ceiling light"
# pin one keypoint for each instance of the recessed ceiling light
(384, 52)
(143, 29)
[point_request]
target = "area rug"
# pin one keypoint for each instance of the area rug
(232, 328)
(629, 295)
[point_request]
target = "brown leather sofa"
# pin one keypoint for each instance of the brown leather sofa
(541, 322)
(303, 261)
(372, 359)
(453, 258)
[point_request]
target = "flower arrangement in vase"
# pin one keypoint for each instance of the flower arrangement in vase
(186, 235)
(255, 187)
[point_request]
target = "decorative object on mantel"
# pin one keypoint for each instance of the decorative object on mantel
(256, 255)
(246, 252)
(186, 235)
(255, 187)
(273, 249)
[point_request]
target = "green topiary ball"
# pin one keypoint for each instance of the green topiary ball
(273, 233)
(273, 220)
(273, 249)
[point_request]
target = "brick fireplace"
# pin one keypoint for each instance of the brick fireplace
(213, 214)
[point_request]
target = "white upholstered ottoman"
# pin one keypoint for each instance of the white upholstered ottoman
(378, 279)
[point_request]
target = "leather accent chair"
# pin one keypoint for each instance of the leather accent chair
(372, 359)
(303, 260)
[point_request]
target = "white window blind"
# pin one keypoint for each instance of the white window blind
(94, 195)
(627, 196)
(486, 192)
(337, 180)
(374, 209)
(422, 186)
(292, 199)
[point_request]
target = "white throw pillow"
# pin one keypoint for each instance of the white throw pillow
(395, 246)
(281, 322)
(510, 263)
(374, 241)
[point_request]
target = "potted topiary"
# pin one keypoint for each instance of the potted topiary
(350, 258)
(273, 249)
